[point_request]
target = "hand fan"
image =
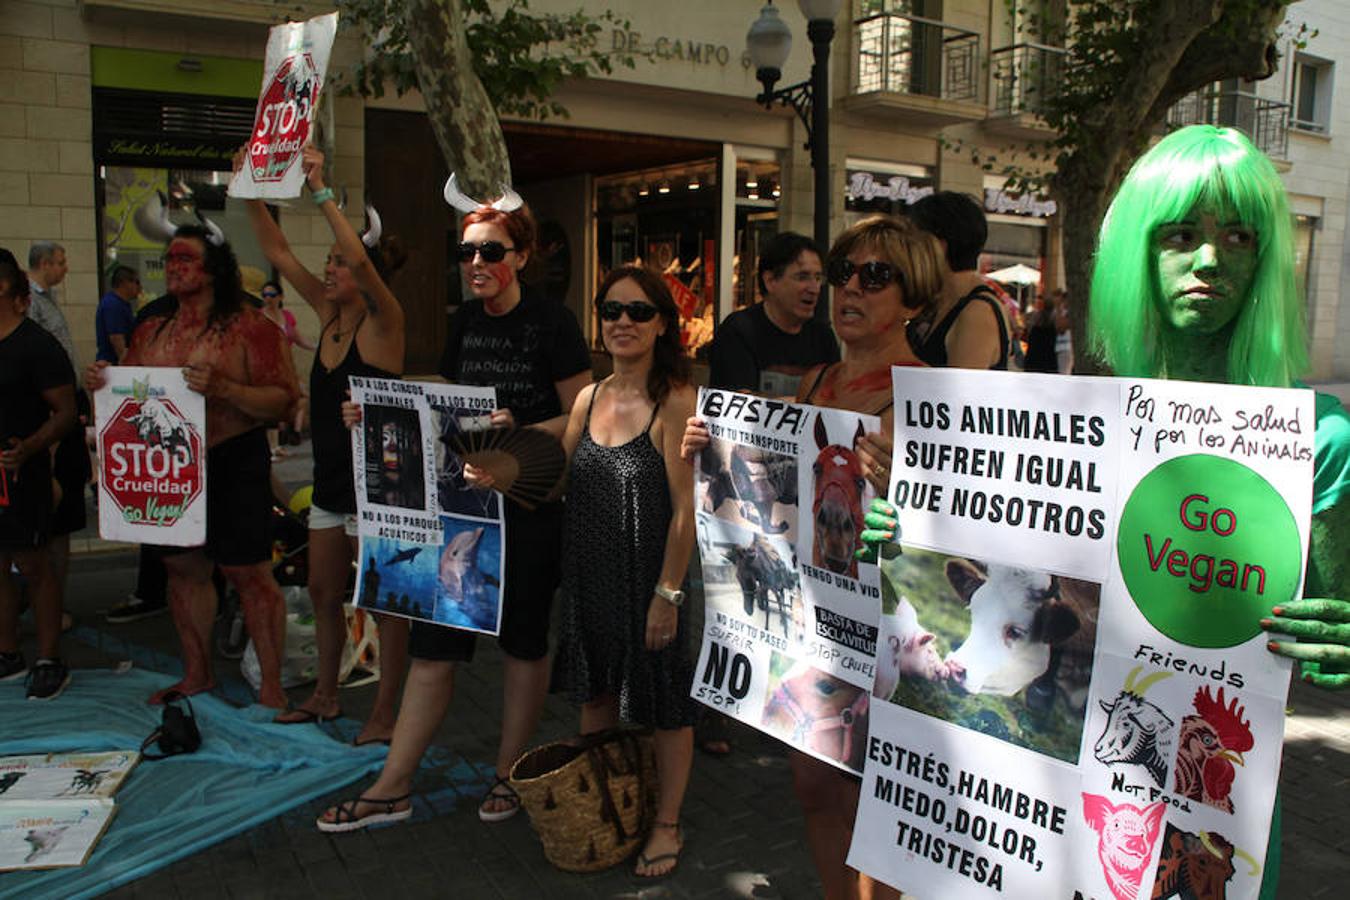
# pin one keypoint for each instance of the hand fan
(526, 464)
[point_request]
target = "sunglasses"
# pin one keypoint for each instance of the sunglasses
(270, 294)
(491, 251)
(872, 276)
(638, 311)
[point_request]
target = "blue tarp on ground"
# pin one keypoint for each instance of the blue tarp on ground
(246, 772)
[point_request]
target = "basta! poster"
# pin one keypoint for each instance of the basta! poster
(790, 628)
(431, 546)
(293, 76)
(1076, 700)
(152, 457)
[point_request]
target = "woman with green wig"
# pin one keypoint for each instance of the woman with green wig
(1194, 279)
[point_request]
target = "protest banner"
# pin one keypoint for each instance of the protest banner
(1085, 562)
(151, 431)
(293, 77)
(431, 546)
(55, 807)
(789, 640)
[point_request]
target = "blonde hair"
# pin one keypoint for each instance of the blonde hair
(914, 252)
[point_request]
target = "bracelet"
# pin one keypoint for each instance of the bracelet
(322, 196)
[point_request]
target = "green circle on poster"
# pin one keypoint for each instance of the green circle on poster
(1206, 548)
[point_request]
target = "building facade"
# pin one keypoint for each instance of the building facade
(670, 162)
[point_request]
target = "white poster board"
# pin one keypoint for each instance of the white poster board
(293, 76)
(1090, 557)
(432, 548)
(151, 431)
(789, 638)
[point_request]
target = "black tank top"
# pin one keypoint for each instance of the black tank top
(334, 487)
(931, 347)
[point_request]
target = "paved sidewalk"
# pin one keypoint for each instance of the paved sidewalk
(744, 834)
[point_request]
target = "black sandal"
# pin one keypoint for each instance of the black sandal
(345, 818)
(492, 793)
(647, 863)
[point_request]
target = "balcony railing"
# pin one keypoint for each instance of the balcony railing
(1266, 122)
(911, 55)
(1025, 76)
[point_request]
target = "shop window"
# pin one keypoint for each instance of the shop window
(758, 189)
(1312, 93)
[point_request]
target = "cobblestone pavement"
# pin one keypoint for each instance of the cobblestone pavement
(744, 834)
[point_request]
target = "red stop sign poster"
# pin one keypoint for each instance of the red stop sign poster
(297, 62)
(152, 457)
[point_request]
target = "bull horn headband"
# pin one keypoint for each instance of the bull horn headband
(371, 236)
(509, 201)
(214, 233)
(152, 218)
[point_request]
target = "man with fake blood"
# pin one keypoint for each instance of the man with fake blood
(232, 354)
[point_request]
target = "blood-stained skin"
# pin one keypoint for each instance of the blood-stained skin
(875, 380)
(265, 617)
(505, 276)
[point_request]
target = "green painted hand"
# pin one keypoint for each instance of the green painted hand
(1322, 627)
(882, 526)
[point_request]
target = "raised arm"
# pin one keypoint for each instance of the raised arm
(385, 312)
(278, 252)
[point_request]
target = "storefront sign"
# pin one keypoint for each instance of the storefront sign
(297, 62)
(864, 187)
(165, 152)
(671, 48)
(997, 200)
(152, 459)
(1076, 699)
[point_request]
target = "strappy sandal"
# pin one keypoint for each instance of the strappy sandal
(345, 818)
(510, 797)
(647, 862)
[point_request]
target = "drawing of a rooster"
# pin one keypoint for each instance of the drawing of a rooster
(1211, 741)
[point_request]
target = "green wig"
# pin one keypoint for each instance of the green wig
(1194, 164)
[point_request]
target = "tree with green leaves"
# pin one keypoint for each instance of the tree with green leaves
(473, 60)
(1125, 63)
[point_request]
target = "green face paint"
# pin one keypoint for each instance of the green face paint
(1205, 266)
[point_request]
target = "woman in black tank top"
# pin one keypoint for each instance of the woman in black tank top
(362, 334)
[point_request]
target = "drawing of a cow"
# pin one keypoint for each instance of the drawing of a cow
(905, 648)
(1028, 630)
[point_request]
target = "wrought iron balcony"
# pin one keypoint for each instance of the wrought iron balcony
(1265, 121)
(905, 54)
(1024, 77)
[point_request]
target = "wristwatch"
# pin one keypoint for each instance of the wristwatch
(674, 598)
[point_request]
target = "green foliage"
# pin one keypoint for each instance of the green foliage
(521, 57)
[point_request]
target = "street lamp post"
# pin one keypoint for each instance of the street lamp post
(769, 42)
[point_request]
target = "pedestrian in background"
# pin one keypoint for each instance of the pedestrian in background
(115, 319)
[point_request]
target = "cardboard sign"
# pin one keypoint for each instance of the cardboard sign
(152, 457)
(432, 548)
(1077, 700)
(789, 640)
(297, 62)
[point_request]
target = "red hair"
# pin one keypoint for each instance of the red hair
(518, 224)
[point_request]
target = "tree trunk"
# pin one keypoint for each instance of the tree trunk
(462, 118)
(1082, 218)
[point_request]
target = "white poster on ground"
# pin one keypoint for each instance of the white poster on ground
(151, 431)
(789, 639)
(293, 76)
(432, 548)
(1087, 561)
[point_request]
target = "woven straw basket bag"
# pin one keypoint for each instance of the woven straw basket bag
(590, 799)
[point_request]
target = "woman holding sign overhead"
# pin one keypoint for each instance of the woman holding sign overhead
(884, 271)
(361, 334)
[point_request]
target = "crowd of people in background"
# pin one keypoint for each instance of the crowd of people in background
(906, 292)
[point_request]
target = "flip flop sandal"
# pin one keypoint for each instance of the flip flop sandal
(509, 796)
(647, 862)
(345, 818)
(306, 716)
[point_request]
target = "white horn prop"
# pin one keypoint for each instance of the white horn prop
(509, 201)
(372, 236)
(217, 237)
(457, 198)
(152, 219)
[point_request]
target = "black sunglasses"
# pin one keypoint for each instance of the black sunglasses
(872, 276)
(270, 294)
(638, 311)
(491, 251)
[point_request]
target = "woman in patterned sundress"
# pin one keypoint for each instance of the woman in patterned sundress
(623, 650)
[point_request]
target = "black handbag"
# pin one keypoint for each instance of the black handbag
(177, 732)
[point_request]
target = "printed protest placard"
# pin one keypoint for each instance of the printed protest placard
(790, 635)
(55, 807)
(431, 546)
(1078, 701)
(293, 76)
(152, 457)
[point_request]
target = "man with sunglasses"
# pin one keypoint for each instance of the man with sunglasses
(767, 347)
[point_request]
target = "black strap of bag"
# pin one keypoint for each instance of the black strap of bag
(177, 732)
(625, 742)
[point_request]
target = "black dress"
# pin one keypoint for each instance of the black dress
(614, 540)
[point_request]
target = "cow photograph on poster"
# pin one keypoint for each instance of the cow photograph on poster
(791, 620)
(431, 545)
